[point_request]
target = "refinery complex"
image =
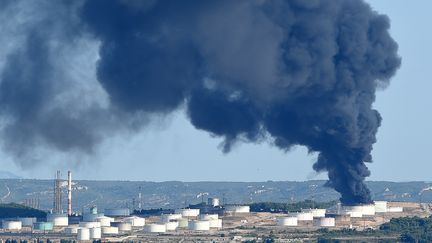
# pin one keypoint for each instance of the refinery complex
(211, 221)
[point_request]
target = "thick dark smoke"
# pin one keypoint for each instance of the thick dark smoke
(288, 72)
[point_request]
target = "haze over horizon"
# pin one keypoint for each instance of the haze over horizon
(400, 153)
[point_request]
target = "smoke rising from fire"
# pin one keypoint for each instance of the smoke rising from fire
(286, 72)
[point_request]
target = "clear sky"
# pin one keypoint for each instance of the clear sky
(171, 149)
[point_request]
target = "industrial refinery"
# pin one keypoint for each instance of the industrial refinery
(211, 221)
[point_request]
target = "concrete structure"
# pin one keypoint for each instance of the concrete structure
(27, 221)
(188, 212)
(83, 234)
(117, 212)
(135, 221)
(45, 226)
(58, 219)
(11, 224)
(110, 230)
(155, 228)
(237, 209)
(173, 225)
(380, 206)
(213, 201)
(208, 216)
(90, 225)
(95, 233)
(324, 222)
(165, 218)
(316, 212)
(122, 226)
(287, 221)
(199, 225)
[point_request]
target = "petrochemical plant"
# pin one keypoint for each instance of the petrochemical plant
(210, 221)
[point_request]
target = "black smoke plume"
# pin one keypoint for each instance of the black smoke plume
(287, 72)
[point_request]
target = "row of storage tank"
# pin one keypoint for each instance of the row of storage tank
(319, 219)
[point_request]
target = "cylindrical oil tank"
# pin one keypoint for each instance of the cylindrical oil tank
(155, 228)
(135, 221)
(27, 221)
(11, 225)
(208, 216)
(213, 201)
(169, 217)
(316, 212)
(364, 209)
(188, 212)
(95, 233)
(45, 226)
(58, 219)
(215, 223)
(302, 216)
(122, 226)
(83, 234)
(237, 209)
(117, 212)
(183, 223)
(90, 225)
(71, 230)
(324, 222)
(105, 221)
(199, 225)
(380, 206)
(110, 230)
(171, 225)
(287, 221)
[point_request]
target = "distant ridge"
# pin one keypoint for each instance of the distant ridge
(8, 175)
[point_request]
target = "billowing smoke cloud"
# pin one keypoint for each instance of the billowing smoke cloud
(287, 72)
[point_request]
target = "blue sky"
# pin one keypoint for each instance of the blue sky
(171, 149)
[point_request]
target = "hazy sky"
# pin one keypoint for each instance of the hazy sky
(171, 149)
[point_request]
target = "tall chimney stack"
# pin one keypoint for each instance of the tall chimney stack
(69, 193)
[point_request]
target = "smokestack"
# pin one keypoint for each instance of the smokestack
(57, 207)
(69, 193)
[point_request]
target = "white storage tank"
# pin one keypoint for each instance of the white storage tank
(188, 212)
(171, 225)
(302, 216)
(324, 222)
(122, 226)
(215, 223)
(237, 209)
(364, 209)
(71, 230)
(395, 209)
(135, 221)
(208, 216)
(110, 230)
(287, 221)
(155, 228)
(183, 223)
(165, 218)
(199, 225)
(380, 206)
(11, 225)
(58, 219)
(95, 233)
(117, 212)
(105, 221)
(83, 234)
(90, 224)
(316, 212)
(27, 221)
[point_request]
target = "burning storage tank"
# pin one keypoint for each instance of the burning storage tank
(117, 212)
(155, 228)
(11, 225)
(169, 217)
(324, 222)
(199, 225)
(188, 212)
(287, 221)
(58, 219)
